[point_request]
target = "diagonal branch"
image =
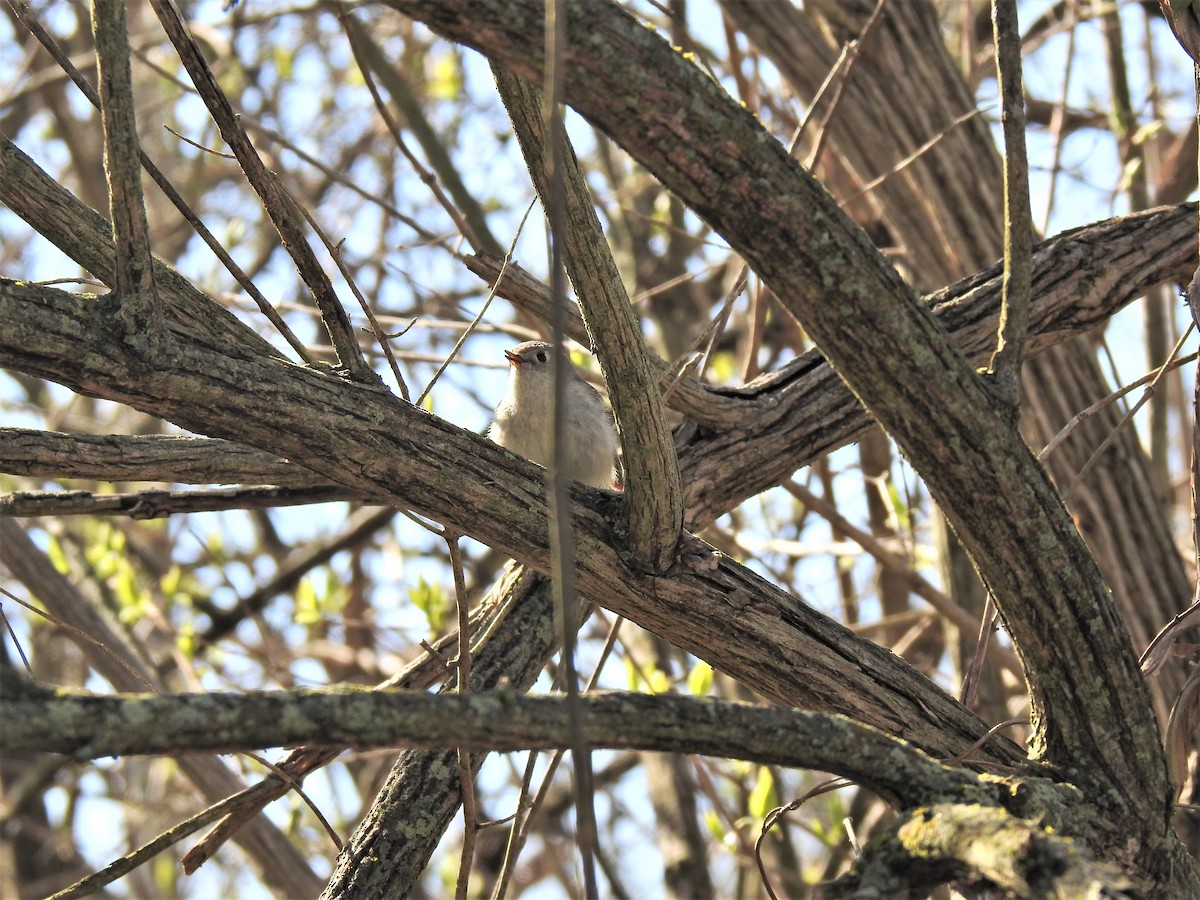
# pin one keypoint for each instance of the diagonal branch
(780, 422)
(284, 868)
(279, 207)
(753, 437)
(1090, 709)
(366, 439)
(651, 469)
(22, 11)
(82, 234)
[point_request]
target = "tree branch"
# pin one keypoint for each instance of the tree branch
(651, 468)
(90, 726)
(1018, 222)
(276, 203)
(160, 504)
(965, 842)
(794, 414)
(140, 307)
(82, 234)
(111, 655)
(716, 157)
(366, 439)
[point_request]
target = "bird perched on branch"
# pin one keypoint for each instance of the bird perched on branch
(525, 417)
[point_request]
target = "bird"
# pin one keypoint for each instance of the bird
(524, 421)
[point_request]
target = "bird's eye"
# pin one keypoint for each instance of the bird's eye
(541, 356)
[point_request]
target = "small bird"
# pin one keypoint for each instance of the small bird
(525, 417)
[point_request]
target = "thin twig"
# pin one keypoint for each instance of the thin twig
(335, 251)
(516, 834)
(1152, 378)
(1058, 118)
(266, 185)
(1153, 657)
(469, 330)
(853, 49)
(824, 787)
(890, 561)
(987, 622)
(80, 634)
(12, 635)
(526, 807)
(1018, 225)
(48, 43)
(1112, 435)
(902, 164)
(429, 179)
(562, 546)
(983, 739)
(143, 854)
(465, 768)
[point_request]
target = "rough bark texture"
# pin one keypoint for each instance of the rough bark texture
(1002, 505)
(369, 441)
(1100, 776)
(906, 86)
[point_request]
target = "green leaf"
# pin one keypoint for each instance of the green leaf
(899, 509)
(446, 81)
(214, 543)
(185, 639)
(307, 609)
(170, 582)
(720, 366)
(57, 557)
(658, 682)
(1149, 130)
(700, 679)
(131, 602)
(633, 678)
(763, 798)
(431, 600)
(335, 598)
(715, 826)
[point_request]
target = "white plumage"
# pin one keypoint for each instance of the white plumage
(524, 418)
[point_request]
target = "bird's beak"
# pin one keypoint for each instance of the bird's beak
(513, 359)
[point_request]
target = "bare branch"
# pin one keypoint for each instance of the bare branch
(370, 441)
(652, 472)
(887, 345)
(1018, 222)
(281, 863)
(275, 201)
(140, 308)
(90, 726)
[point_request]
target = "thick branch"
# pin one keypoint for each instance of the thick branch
(280, 861)
(753, 437)
(89, 726)
(783, 420)
(368, 440)
(956, 842)
(715, 156)
(651, 468)
(82, 234)
(149, 457)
